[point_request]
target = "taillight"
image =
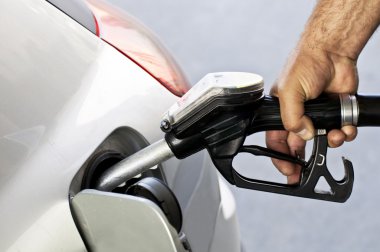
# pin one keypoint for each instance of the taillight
(137, 43)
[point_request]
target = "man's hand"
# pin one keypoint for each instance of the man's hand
(308, 73)
(324, 61)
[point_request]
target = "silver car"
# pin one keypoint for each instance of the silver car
(83, 85)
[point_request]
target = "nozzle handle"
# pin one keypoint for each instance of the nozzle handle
(326, 112)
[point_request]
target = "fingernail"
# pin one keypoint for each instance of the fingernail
(305, 134)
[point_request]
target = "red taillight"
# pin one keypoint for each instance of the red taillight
(137, 43)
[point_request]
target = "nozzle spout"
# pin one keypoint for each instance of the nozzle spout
(133, 165)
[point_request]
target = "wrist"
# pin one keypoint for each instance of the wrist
(329, 49)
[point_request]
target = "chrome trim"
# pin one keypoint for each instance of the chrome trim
(355, 110)
(349, 109)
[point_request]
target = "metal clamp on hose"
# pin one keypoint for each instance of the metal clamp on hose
(349, 109)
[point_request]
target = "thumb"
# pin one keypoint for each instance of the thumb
(292, 113)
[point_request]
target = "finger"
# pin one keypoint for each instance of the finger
(295, 178)
(296, 145)
(350, 131)
(297, 148)
(292, 113)
(274, 90)
(336, 138)
(277, 140)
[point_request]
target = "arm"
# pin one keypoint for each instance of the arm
(324, 60)
(342, 27)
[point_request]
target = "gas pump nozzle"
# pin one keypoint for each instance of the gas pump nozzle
(222, 109)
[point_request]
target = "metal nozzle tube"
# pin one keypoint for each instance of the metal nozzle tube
(134, 165)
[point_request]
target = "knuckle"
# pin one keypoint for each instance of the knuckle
(282, 89)
(291, 125)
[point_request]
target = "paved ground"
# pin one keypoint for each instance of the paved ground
(256, 36)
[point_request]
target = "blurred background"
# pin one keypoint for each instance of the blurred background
(256, 36)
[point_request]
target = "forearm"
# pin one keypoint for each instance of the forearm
(341, 27)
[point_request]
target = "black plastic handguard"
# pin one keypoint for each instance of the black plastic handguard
(325, 114)
(311, 172)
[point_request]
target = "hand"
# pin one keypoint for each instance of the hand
(308, 73)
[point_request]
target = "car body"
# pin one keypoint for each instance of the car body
(66, 95)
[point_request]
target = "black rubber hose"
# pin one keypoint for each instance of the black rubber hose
(369, 110)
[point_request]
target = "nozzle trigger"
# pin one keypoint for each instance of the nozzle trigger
(312, 171)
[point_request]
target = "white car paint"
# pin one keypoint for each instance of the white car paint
(62, 92)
